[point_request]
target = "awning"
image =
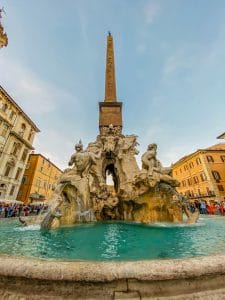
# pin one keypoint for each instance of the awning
(37, 196)
(11, 201)
(38, 203)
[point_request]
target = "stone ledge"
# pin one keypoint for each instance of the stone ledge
(193, 278)
(96, 271)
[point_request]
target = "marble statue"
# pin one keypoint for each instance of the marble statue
(145, 195)
(81, 161)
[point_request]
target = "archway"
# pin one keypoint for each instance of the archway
(111, 178)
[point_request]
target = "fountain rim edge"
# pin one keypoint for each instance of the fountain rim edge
(103, 271)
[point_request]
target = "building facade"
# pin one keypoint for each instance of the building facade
(17, 132)
(202, 174)
(38, 180)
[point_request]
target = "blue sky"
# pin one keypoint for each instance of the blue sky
(170, 70)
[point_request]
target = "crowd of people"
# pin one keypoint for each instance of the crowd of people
(9, 210)
(210, 208)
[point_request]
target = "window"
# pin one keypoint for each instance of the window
(220, 187)
(16, 149)
(45, 185)
(4, 107)
(4, 130)
(3, 186)
(180, 170)
(198, 161)
(203, 176)
(184, 183)
(22, 129)
(38, 183)
(19, 171)
(12, 115)
(191, 165)
(30, 135)
(210, 192)
(7, 170)
(12, 190)
(24, 180)
(24, 155)
(222, 158)
(189, 181)
(209, 158)
(185, 168)
(216, 175)
(195, 178)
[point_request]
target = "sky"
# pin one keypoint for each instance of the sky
(170, 70)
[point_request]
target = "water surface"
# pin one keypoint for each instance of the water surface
(114, 241)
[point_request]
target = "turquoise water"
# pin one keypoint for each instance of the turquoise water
(114, 241)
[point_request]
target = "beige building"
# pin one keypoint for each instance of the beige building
(202, 174)
(17, 133)
(38, 180)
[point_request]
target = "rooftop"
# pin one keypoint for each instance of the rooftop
(19, 108)
(216, 147)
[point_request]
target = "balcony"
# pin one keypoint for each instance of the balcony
(20, 137)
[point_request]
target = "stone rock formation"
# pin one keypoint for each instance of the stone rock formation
(144, 195)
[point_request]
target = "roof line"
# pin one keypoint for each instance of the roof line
(39, 154)
(19, 108)
(194, 153)
(221, 136)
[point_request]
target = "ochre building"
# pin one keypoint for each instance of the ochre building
(17, 132)
(38, 180)
(202, 174)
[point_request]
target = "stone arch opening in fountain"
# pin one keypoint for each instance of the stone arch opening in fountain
(111, 177)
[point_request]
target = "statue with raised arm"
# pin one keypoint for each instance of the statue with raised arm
(81, 160)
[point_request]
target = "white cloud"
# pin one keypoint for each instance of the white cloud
(179, 60)
(55, 146)
(174, 153)
(152, 10)
(38, 98)
(35, 95)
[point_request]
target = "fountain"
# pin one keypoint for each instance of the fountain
(113, 241)
(81, 193)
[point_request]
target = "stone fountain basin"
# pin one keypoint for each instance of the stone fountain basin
(191, 278)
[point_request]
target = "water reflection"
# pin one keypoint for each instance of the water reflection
(110, 245)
